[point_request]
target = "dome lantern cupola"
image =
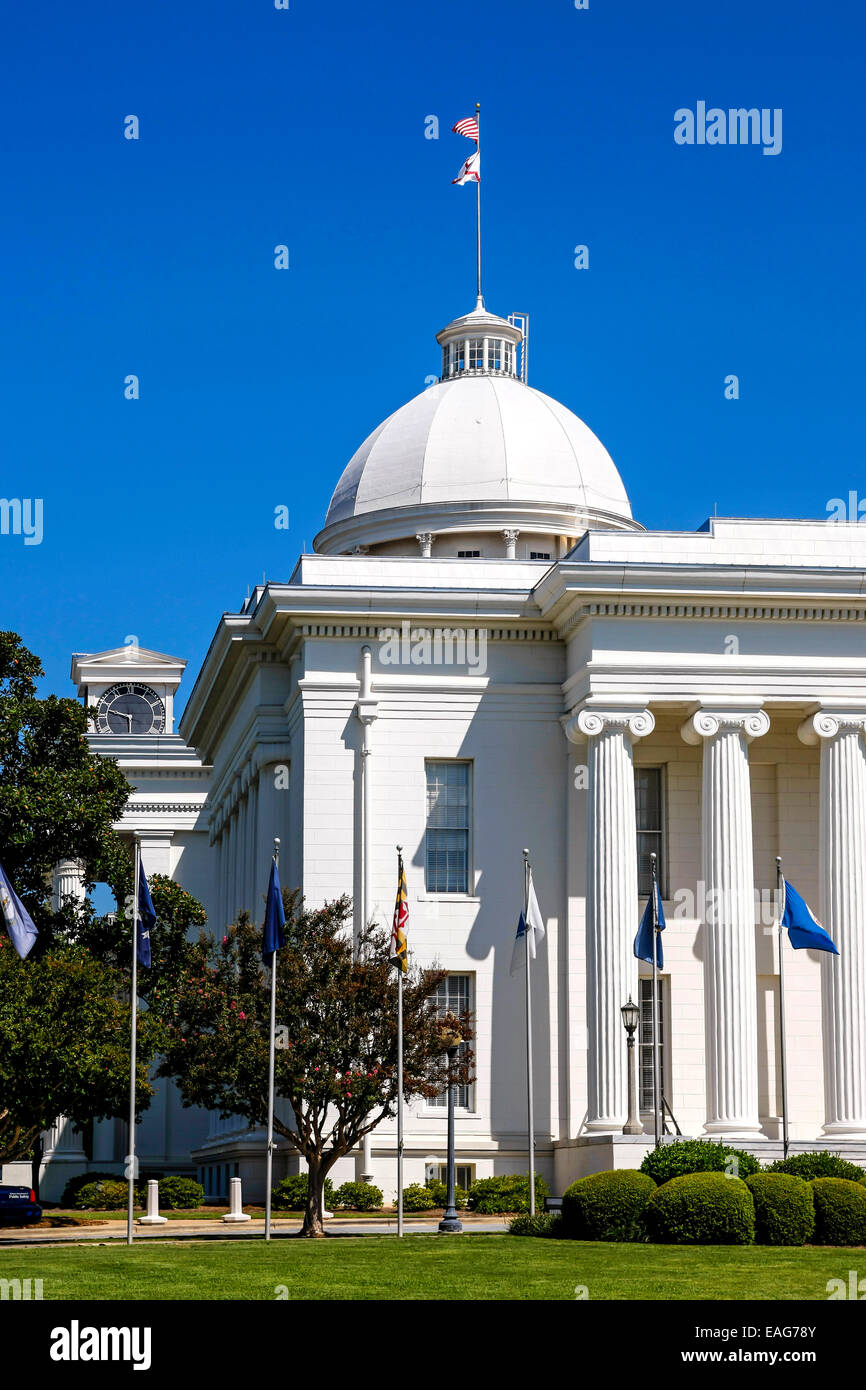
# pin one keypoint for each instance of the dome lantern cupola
(481, 344)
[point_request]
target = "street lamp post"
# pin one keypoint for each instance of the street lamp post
(451, 1223)
(630, 1018)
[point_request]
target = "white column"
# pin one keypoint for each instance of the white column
(510, 537)
(842, 857)
(67, 882)
(730, 988)
(611, 902)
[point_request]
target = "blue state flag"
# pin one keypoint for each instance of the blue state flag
(643, 942)
(146, 919)
(804, 930)
(19, 923)
(275, 917)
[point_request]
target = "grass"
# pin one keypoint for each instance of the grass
(468, 1267)
(73, 1216)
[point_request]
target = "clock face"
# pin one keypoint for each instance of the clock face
(130, 709)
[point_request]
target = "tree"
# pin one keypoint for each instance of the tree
(338, 1070)
(58, 799)
(64, 1044)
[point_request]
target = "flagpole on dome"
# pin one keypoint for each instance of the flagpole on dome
(780, 882)
(130, 1157)
(478, 203)
(655, 1005)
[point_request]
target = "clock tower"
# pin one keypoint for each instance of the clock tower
(129, 691)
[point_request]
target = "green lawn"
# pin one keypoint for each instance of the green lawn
(427, 1267)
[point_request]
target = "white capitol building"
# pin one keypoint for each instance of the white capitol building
(486, 651)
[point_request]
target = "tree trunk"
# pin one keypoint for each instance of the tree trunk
(313, 1224)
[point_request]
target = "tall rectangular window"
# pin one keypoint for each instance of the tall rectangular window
(645, 1041)
(446, 845)
(476, 354)
(454, 996)
(649, 814)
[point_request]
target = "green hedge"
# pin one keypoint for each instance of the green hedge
(607, 1206)
(822, 1164)
(440, 1194)
(74, 1185)
(510, 1192)
(107, 1194)
(697, 1156)
(543, 1223)
(784, 1208)
(418, 1198)
(291, 1193)
(180, 1194)
(701, 1209)
(358, 1196)
(840, 1212)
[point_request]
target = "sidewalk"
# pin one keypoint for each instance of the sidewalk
(219, 1230)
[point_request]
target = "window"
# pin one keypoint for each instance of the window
(494, 354)
(446, 358)
(509, 356)
(476, 354)
(454, 996)
(464, 1174)
(645, 1041)
(469, 555)
(539, 554)
(446, 850)
(649, 814)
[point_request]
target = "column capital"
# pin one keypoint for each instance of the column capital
(827, 723)
(706, 723)
(589, 722)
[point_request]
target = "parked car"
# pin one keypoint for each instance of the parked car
(18, 1206)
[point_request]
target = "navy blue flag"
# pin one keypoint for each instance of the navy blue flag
(804, 930)
(643, 942)
(19, 923)
(275, 917)
(146, 919)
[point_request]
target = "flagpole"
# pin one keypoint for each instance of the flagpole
(782, 1043)
(130, 1157)
(269, 1160)
(400, 1069)
(529, 1099)
(655, 1003)
(478, 200)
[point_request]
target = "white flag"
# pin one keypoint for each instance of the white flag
(471, 171)
(534, 923)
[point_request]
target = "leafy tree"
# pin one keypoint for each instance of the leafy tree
(64, 1044)
(58, 799)
(339, 1007)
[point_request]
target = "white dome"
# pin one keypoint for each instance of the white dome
(479, 449)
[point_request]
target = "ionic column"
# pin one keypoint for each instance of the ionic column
(611, 902)
(842, 860)
(730, 991)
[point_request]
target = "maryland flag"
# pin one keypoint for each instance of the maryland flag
(401, 917)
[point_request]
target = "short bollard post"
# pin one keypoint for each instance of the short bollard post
(153, 1217)
(236, 1213)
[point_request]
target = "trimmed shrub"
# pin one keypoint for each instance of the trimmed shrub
(697, 1156)
(291, 1193)
(74, 1186)
(358, 1196)
(180, 1194)
(439, 1192)
(510, 1192)
(840, 1212)
(822, 1164)
(784, 1209)
(108, 1194)
(418, 1198)
(543, 1223)
(701, 1209)
(607, 1206)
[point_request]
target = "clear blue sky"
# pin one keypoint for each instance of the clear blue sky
(306, 127)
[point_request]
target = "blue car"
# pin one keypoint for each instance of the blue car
(18, 1206)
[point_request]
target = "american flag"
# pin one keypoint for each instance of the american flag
(469, 128)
